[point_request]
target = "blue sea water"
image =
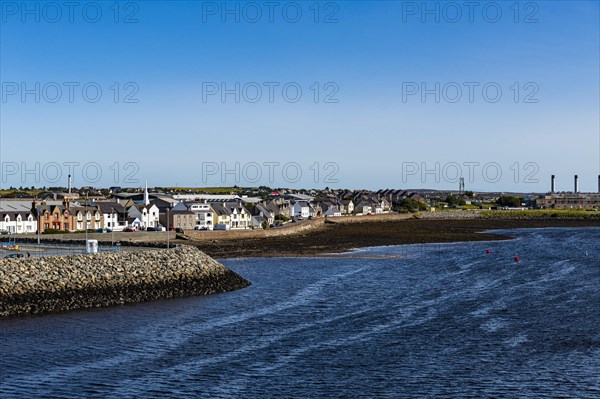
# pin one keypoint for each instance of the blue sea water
(415, 321)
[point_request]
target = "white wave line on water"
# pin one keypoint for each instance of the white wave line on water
(138, 354)
(362, 336)
(195, 364)
(140, 383)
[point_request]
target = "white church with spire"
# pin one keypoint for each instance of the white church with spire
(145, 213)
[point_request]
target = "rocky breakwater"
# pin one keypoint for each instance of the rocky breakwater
(37, 285)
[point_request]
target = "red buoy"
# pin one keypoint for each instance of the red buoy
(488, 251)
(516, 259)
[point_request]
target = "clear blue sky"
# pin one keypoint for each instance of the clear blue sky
(371, 54)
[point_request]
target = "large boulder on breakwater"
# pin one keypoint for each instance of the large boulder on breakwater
(52, 284)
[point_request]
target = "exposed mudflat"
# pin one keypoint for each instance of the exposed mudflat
(340, 237)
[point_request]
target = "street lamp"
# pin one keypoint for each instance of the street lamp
(112, 225)
(16, 228)
(38, 226)
(87, 198)
(86, 218)
(168, 229)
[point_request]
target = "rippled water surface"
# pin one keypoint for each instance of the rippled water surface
(443, 321)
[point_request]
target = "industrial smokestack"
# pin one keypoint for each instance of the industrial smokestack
(553, 184)
(576, 184)
(69, 184)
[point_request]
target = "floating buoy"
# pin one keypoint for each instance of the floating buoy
(488, 251)
(516, 259)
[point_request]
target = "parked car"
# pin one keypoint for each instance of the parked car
(310, 218)
(277, 224)
(103, 231)
(129, 230)
(203, 228)
(152, 229)
(4, 232)
(161, 228)
(179, 230)
(221, 226)
(14, 256)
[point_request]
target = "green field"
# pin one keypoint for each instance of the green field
(14, 193)
(206, 190)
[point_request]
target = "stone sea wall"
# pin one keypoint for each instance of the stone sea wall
(36, 285)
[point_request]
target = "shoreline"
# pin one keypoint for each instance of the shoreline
(333, 239)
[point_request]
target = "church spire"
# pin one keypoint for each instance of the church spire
(146, 196)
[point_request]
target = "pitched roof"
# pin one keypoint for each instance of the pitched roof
(110, 207)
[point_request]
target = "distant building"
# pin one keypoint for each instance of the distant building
(18, 222)
(114, 215)
(147, 214)
(67, 216)
(570, 201)
(17, 216)
(56, 217)
(181, 219)
(301, 208)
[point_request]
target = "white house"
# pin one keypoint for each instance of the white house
(86, 217)
(330, 209)
(363, 208)
(301, 208)
(332, 212)
(115, 215)
(377, 208)
(17, 217)
(205, 214)
(136, 223)
(18, 222)
(347, 206)
(267, 214)
(147, 214)
(240, 217)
